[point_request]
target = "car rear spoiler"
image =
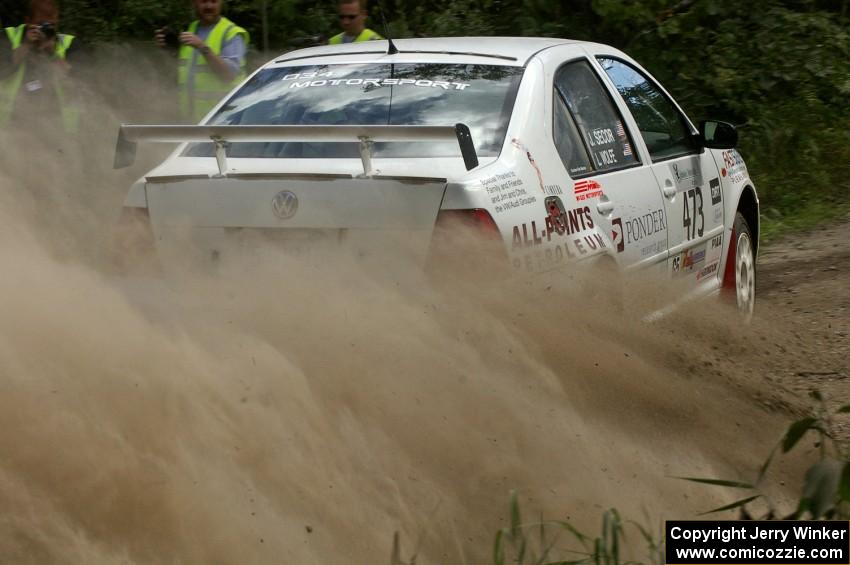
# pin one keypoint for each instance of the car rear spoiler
(128, 136)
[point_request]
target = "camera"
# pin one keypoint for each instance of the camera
(172, 37)
(47, 30)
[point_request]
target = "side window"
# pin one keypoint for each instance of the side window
(568, 141)
(664, 129)
(595, 116)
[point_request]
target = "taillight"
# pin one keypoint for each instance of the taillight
(476, 219)
(466, 242)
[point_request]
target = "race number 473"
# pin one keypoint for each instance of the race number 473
(690, 211)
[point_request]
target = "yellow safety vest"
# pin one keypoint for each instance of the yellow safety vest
(365, 35)
(10, 87)
(206, 88)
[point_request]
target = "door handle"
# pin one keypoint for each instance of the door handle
(669, 189)
(604, 207)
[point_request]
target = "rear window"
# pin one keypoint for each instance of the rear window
(480, 96)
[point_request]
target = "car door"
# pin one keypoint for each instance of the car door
(607, 173)
(686, 173)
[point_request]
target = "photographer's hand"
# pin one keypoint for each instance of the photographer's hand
(189, 38)
(216, 63)
(34, 35)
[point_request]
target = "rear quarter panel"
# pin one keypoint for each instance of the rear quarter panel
(514, 189)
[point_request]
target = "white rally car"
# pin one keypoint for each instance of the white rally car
(561, 150)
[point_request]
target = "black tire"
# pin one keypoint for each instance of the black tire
(745, 268)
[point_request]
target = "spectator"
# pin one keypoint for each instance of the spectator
(211, 58)
(352, 18)
(35, 63)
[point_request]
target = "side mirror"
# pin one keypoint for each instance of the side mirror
(718, 135)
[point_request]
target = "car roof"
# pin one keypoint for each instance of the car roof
(504, 50)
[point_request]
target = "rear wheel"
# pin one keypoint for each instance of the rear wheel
(745, 268)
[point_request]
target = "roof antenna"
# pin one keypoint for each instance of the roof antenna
(391, 49)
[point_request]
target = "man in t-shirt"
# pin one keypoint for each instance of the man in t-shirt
(352, 18)
(35, 63)
(211, 59)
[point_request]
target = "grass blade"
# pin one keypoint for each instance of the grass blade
(736, 504)
(766, 464)
(718, 482)
(498, 549)
(844, 484)
(516, 519)
(795, 433)
(578, 535)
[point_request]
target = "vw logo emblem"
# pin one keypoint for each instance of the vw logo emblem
(284, 204)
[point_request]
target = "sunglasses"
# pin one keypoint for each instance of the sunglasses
(347, 17)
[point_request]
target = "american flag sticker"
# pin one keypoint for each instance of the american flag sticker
(627, 148)
(620, 131)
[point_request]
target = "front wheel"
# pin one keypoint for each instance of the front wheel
(745, 268)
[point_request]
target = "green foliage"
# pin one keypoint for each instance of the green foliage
(826, 485)
(540, 543)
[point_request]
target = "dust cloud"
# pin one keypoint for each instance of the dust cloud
(280, 411)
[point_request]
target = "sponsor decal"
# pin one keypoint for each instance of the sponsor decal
(310, 75)
(717, 241)
(652, 248)
(688, 261)
(714, 185)
(553, 189)
(735, 166)
(561, 231)
(693, 257)
(686, 174)
(587, 188)
(506, 191)
(549, 257)
(617, 234)
(316, 79)
(636, 229)
(519, 145)
(708, 270)
(566, 222)
(732, 159)
(558, 223)
(683, 173)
